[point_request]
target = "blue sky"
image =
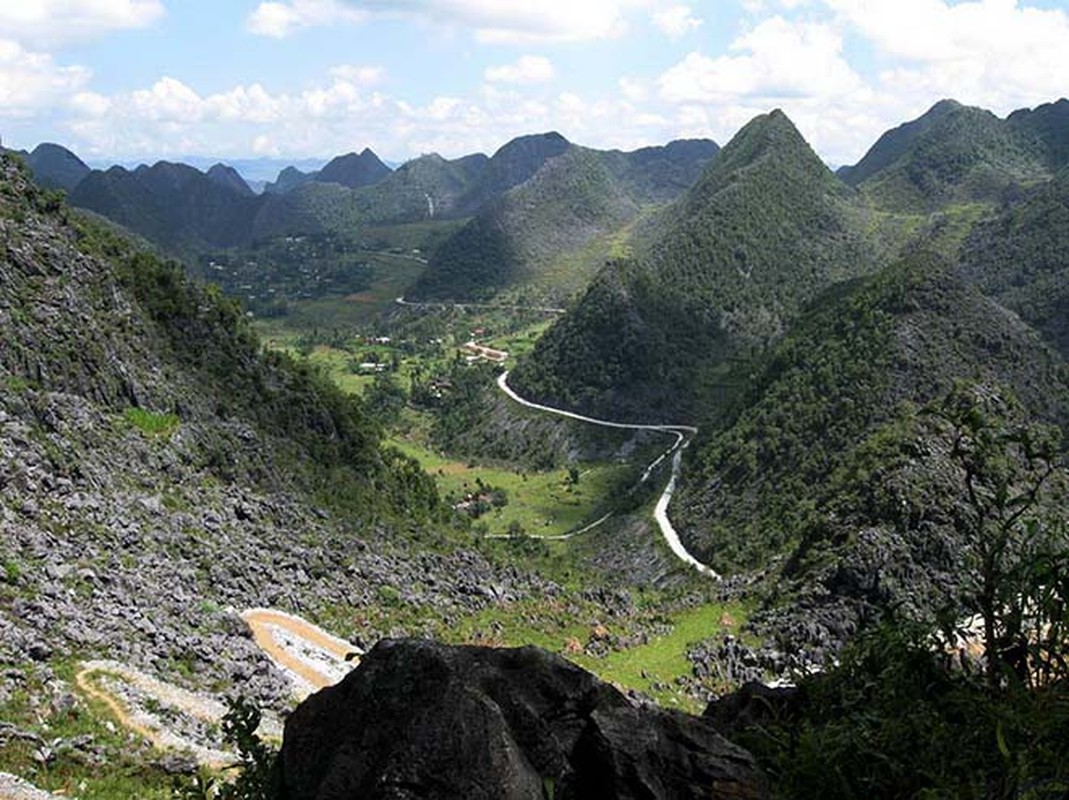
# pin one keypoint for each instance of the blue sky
(147, 79)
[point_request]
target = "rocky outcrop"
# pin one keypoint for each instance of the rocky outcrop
(422, 719)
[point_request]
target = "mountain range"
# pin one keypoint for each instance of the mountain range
(866, 355)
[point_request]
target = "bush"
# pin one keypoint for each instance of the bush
(151, 423)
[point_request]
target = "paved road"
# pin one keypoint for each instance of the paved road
(541, 309)
(682, 434)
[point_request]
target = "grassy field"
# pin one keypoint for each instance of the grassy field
(653, 668)
(541, 503)
(644, 649)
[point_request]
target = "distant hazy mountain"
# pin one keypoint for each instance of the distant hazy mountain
(718, 273)
(228, 176)
(288, 179)
(520, 239)
(56, 167)
(354, 171)
(175, 206)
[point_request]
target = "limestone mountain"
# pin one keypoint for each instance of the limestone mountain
(288, 178)
(426, 188)
(829, 461)
(960, 154)
(542, 236)
(717, 274)
(230, 177)
(1020, 257)
(661, 174)
(511, 165)
(1045, 130)
(354, 171)
(569, 201)
(311, 208)
(175, 206)
(895, 144)
(56, 167)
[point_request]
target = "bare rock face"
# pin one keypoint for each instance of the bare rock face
(419, 719)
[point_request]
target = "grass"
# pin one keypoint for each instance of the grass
(124, 772)
(393, 275)
(566, 624)
(542, 503)
(653, 668)
(151, 423)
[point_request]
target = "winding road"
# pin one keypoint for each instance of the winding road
(660, 513)
(541, 309)
(310, 657)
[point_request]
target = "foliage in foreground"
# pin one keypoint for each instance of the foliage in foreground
(976, 707)
(896, 719)
(255, 761)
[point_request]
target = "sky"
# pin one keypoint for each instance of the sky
(141, 80)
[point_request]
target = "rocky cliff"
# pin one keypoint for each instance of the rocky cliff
(420, 719)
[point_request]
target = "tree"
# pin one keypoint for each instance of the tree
(1004, 466)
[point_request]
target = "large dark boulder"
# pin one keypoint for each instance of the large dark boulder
(419, 719)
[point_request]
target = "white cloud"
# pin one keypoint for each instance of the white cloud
(499, 21)
(279, 20)
(169, 100)
(997, 53)
(633, 89)
(31, 82)
(360, 75)
(676, 21)
(780, 59)
(527, 69)
(55, 21)
(90, 104)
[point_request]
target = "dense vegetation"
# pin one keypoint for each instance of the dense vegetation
(570, 200)
(1021, 258)
(956, 153)
(716, 275)
(828, 410)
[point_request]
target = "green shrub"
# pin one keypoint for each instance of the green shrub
(150, 423)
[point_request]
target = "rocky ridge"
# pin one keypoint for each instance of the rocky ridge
(142, 503)
(420, 719)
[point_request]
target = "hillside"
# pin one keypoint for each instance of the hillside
(568, 202)
(959, 154)
(175, 206)
(56, 167)
(353, 171)
(661, 174)
(425, 188)
(717, 274)
(1021, 258)
(1045, 129)
(895, 144)
(903, 336)
(159, 472)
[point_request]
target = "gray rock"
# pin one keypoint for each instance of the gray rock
(419, 719)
